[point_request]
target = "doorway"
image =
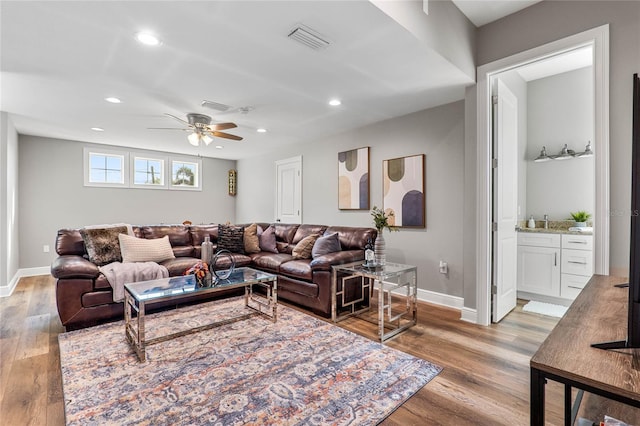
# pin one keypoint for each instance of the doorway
(598, 40)
(289, 190)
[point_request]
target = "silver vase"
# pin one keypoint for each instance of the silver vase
(379, 248)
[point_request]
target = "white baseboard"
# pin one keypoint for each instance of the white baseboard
(440, 299)
(469, 315)
(6, 291)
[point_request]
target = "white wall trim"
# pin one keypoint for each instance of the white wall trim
(599, 38)
(469, 315)
(441, 299)
(6, 291)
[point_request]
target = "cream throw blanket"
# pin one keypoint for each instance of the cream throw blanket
(118, 274)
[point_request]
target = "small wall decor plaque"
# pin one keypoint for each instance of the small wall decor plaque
(233, 178)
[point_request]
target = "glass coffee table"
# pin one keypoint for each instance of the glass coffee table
(393, 287)
(138, 295)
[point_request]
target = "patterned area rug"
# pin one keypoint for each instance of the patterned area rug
(298, 371)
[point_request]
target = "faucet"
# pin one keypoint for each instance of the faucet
(546, 221)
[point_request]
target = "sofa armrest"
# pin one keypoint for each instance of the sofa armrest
(73, 266)
(324, 262)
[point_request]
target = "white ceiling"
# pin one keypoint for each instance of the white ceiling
(60, 59)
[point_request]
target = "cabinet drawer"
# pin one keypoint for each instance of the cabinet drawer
(572, 285)
(577, 242)
(577, 262)
(538, 239)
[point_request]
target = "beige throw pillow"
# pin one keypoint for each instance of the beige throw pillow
(142, 250)
(251, 241)
(302, 250)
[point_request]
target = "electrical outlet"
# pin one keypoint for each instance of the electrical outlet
(45, 248)
(444, 268)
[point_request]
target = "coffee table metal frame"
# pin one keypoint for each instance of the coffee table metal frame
(138, 294)
(393, 279)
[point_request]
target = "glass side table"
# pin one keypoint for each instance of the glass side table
(355, 290)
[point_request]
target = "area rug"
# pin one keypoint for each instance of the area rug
(297, 371)
(548, 309)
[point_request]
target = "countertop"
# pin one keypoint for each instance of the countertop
(554, 227)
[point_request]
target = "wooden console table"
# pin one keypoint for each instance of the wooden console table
(599, 314)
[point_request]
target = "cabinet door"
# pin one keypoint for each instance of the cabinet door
(539, 270)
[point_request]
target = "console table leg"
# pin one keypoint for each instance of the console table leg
(537, 398)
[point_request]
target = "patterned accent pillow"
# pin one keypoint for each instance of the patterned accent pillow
(302, 250)
(251, 241)
(268, 240)
(143, 250)
(102, 244)
(231, 238)
(325, 245)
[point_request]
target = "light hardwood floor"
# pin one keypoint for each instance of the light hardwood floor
(485, 380)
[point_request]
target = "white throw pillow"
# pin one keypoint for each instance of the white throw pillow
(142, 250)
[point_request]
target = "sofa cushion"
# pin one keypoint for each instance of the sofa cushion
(102, 244)
(306, 230)
(143, 250)
(178, 234)
(231, 238)
(326, 244)
(178, 265)
(285, 232)
(271, 262)
(268, 240)
(298, 269)
(251, 241)
(302, 250)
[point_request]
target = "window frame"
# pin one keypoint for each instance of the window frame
(124, 155)
(164, 172)
(198, 175)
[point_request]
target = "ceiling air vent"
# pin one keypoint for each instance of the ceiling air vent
(308, 37)
(215, 105)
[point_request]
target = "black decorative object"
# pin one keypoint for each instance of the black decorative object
(222, 274)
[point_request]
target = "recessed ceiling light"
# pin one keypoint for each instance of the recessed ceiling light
(218, 146)
(261, 130)
(335, 102)
(113, 100)
(148, 39)
(97, 129)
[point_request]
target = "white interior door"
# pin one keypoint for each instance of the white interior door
(505, 198)
(289, 190)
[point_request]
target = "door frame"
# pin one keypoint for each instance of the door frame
(598, 38)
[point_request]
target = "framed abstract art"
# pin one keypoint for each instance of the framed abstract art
(403, 190)
(353, 179)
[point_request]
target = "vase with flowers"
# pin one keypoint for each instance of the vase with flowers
(201, 272)
(382, 220)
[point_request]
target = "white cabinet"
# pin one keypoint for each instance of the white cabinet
(577, 264)
(539, 263)
(555, 265)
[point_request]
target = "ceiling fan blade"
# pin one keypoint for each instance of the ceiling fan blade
(226, 135)
(221, 126)
(179, 119)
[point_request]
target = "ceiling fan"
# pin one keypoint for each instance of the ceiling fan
(201, 128)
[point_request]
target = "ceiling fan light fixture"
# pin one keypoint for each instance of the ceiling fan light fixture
(194, 139)
(207, 139)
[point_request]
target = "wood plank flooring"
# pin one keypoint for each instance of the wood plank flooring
(485, 379)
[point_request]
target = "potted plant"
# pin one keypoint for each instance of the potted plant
(580, 218)
(381, 220)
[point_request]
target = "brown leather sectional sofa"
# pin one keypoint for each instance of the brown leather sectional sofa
(84, 296)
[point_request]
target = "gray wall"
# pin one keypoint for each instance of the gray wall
(561, 111)
(436, 132)
(9, 239)
(54, 197)
(552, 20)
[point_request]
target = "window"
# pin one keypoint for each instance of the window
(185, 174)
(149, 171)
(106, 168)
